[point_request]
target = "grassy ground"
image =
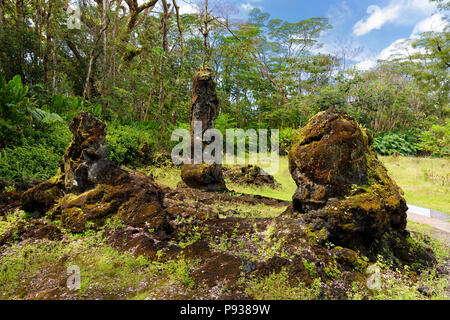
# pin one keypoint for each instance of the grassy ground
(36, 269)
(284, 192)
(33, 269)
(28, 267)
(425, 181)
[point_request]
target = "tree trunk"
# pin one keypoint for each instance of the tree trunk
(135, 10)
(205, 33)
(105, 8)
(2, 12)
(93, 57)
(163, 60)
(180, 31)
(20, 11)
(54, 63)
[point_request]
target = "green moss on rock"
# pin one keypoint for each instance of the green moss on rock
(342, 185)
(88, 188)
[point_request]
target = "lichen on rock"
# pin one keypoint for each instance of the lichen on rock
(341, 185)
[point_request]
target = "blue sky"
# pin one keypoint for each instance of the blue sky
(377, 27)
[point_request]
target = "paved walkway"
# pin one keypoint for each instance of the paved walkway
(430, 213)
(442, 227)
(438, 224)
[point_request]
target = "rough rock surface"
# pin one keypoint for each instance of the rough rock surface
(85, 161)
(8, 201)
(90, 188)
(342, 186)
(204, 109)
(217, 250)
(37, 229)
(207, 177)
(250, 174)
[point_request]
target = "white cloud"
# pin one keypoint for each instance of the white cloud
(396, 11)
(403, 48)
(400, 48)
(247, 6)
(378, 17)
(397, 49)
(434, 23)
(187, 8)
(338, 14)
(366, 65)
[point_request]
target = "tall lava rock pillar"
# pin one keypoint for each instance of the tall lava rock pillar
(204, 111)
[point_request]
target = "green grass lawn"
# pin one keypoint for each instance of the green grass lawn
(283, 192)
(425, 181)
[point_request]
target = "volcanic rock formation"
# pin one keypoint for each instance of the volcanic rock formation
(204, 109)
(341, 185)
(90, 188)
(251, 175)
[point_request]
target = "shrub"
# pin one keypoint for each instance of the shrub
(286, 137)
(19, 109)
(56, 137)
(389, 143)
(34, 154)
(436, 141)
(129, 145)
(329, 97)
(223, 122)
(27, 164)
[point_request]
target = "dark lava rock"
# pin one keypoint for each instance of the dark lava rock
(204, 109)
(8, 201)
(162, 160)
(222, 267)
(342, 186)
(207, 177)
(90, 188)
(252, 175)
(140, 242)
(37, 229)
(348, 257)
(85, 161)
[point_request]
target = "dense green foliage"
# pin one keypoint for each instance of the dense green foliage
(133, 69)
(131, 145)
(33, 140)
(390, 143)
(436, 141)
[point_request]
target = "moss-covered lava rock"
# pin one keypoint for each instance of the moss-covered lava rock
(207, 177)
(341, 185)
(252, 175)
(89, 188)
(86, 158)
(204, 111)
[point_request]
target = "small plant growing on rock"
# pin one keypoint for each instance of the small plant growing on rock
(310, 267)
(332, 271)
